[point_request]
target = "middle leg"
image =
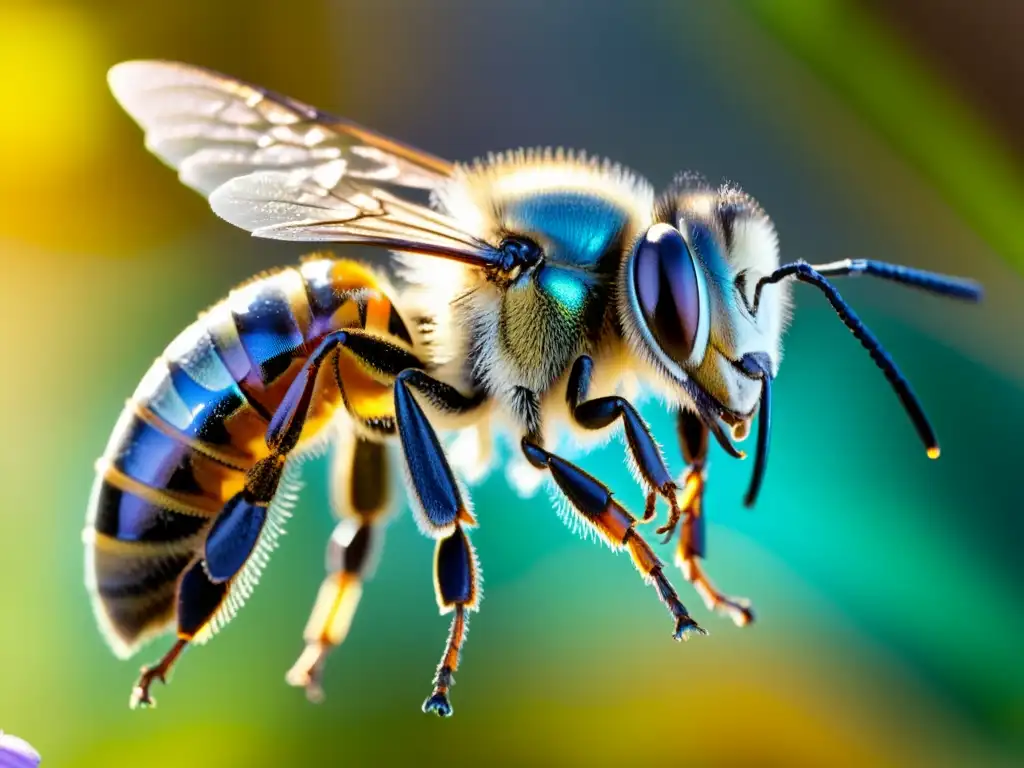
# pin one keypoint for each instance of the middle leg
(441, 513)
(685, 498)
(360, 486)
(440, 510)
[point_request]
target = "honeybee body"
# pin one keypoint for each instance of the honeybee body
(196, 424)
(536, 285)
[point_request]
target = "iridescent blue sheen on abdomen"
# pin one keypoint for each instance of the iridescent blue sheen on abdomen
(186, 438)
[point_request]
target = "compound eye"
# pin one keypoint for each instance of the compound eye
(669, 291)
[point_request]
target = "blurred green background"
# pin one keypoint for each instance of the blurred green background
(887, 586)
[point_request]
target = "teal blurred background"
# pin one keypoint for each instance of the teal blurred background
(887, 586)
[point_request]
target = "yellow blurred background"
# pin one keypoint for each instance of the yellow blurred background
(887, 586)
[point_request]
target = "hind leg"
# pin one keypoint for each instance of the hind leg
(360, 495)
(439, 507)
(215, 585)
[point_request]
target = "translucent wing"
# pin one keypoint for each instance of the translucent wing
(323, 204)
(285, 170)
(212, 128)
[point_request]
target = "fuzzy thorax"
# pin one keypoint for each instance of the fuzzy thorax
(525, 331)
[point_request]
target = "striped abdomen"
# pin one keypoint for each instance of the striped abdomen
(196, 424)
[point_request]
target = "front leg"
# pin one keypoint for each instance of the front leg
(593, 503)
(693, 439)
(601, 412)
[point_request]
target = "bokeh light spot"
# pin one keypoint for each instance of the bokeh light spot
(50, 112)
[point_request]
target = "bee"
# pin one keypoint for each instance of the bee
(537, 288)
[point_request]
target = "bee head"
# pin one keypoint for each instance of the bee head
(687, 283)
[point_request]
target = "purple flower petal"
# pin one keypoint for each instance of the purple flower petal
(17, 753)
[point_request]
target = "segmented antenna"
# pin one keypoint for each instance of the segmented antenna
(943, 285)
(929, 281)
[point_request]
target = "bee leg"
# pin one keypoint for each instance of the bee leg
(601, 412)
(693, 438)
(359, 494)
(198, 600)
(386, 359)
(207, 582)
(159, 671)
(456, 579)
(595, 507)
(360, 498)
(235, 533)
(440, 513)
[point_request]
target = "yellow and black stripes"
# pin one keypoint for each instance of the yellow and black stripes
(153, 500)
(198, 421)
(193, 488)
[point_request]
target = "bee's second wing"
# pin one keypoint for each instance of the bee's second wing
(212, 128)
(324, 203)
